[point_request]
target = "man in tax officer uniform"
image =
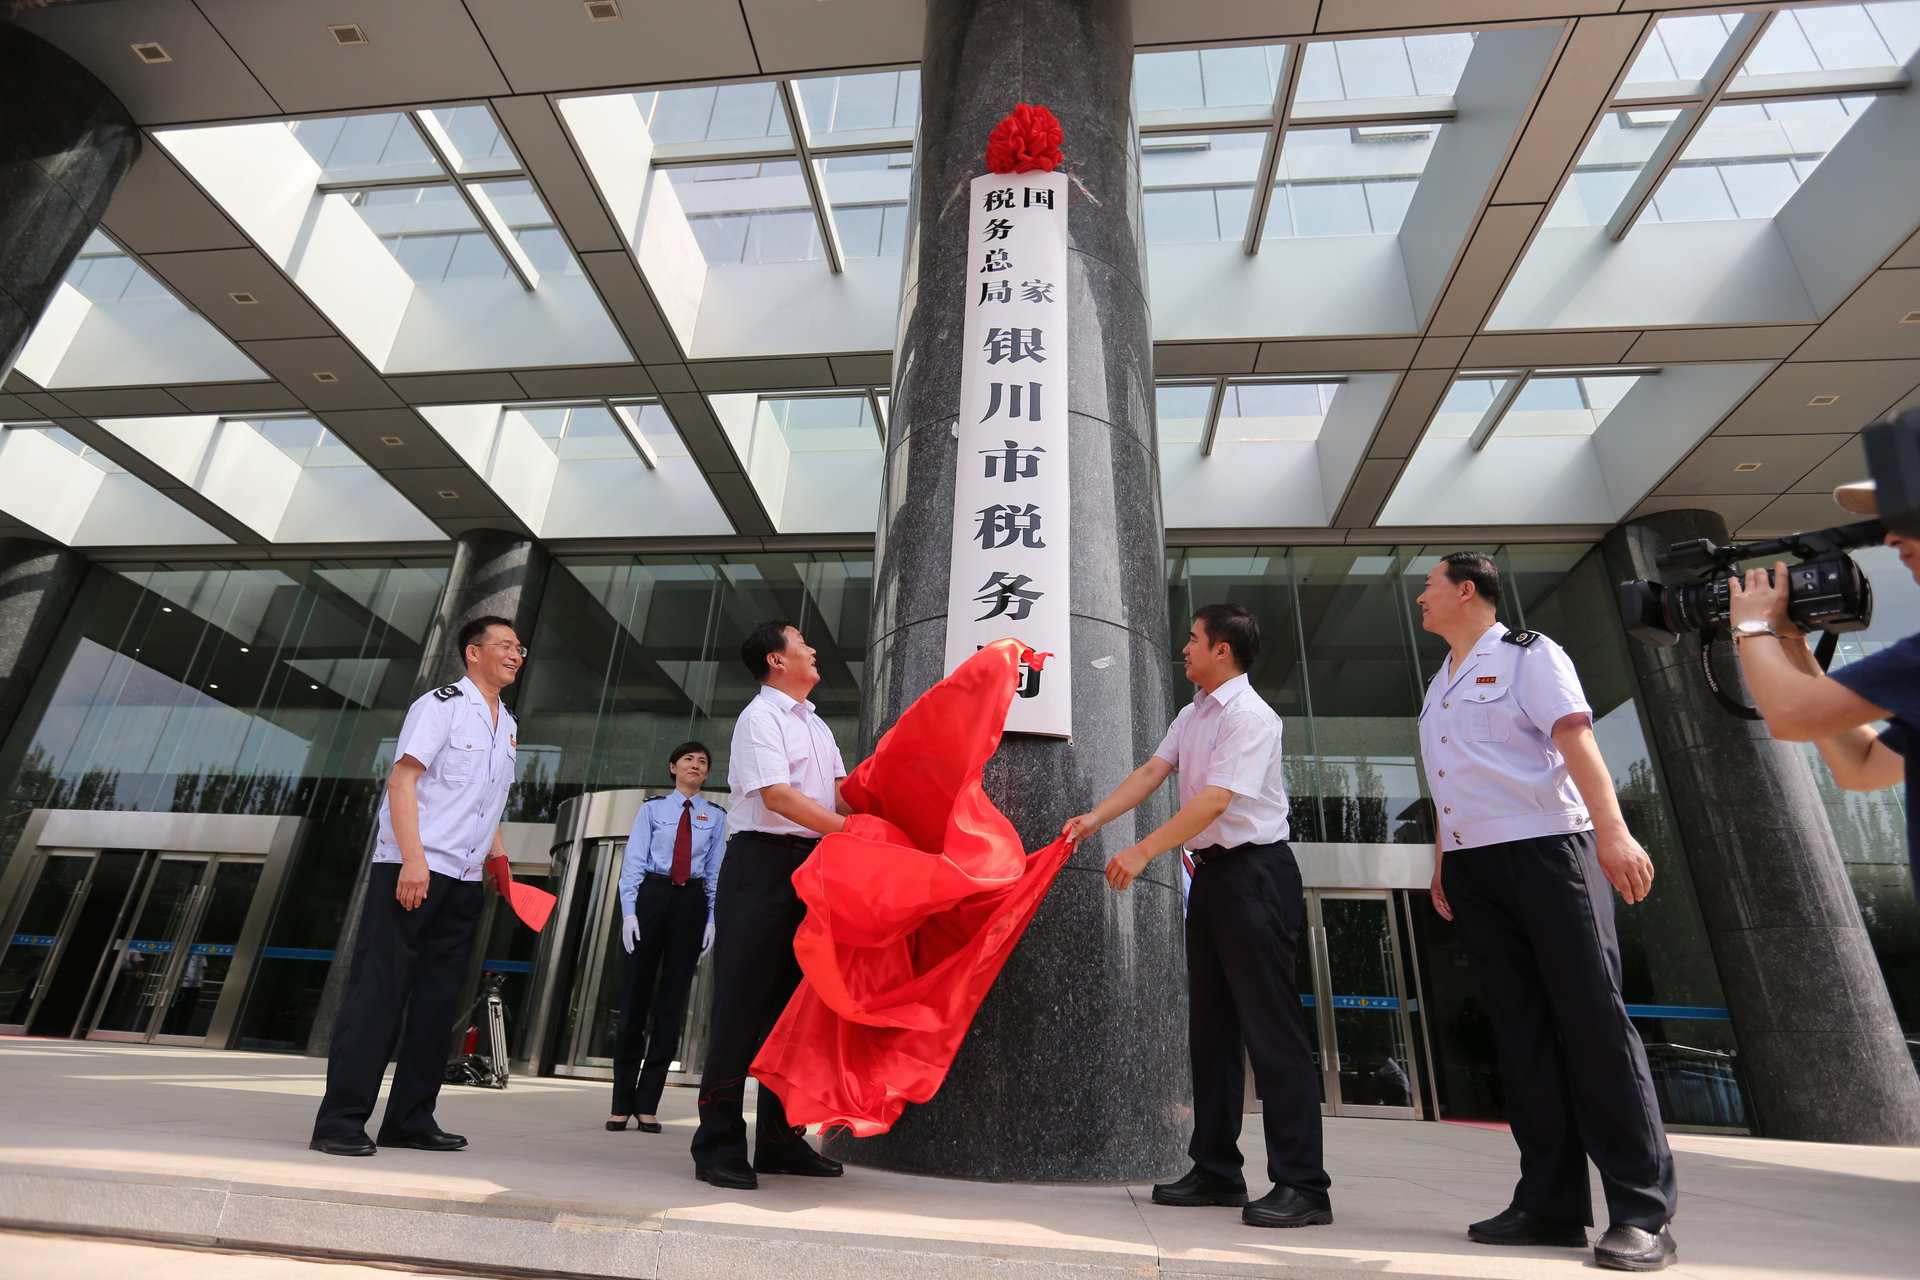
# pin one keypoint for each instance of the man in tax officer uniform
(784, 774)
(1531, 845)
(439, 824)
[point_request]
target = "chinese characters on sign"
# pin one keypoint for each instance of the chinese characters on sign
(1010, 515)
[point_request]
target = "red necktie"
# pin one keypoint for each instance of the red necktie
(683, 846)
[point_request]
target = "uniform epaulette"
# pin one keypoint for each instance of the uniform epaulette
(447, 691)
(1521, 638)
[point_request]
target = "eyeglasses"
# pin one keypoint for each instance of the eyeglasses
(504, 644)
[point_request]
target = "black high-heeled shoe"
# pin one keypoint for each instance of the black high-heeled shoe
(648, 1126)
(618, 1126)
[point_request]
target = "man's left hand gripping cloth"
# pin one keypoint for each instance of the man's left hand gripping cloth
(911, 911)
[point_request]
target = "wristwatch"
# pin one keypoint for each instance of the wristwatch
(1755, 627)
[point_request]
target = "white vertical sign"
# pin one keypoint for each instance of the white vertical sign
(1010, 492)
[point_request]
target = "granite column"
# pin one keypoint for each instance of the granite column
(1075, 1068)
(494, 571)
(1823, 1053)
(38, 584)
(66, 144)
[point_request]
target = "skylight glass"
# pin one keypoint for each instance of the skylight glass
(1466, 403)
(366, 148)
(1349, 71)
(722, 113)
(1181, 411)
(430, 231)
(821, 424)
(71, 443)
(868, 194)
(1616, 153)
(1678, 52)
(1252, 412)
(1749, 157)
(1198, 188)
(304, 440)
(471, 138)
(598, 430)
(754, 212)
(1209, 79)
(1847, 37)
(835, 107)
(1343, 182)
(1547, 404)
(103, 273)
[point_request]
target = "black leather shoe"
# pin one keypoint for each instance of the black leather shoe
(619, 1126)
(796, 1158)
(431, 1140)
(352, 1144)
(1286, 1207)
(1636, 1249)
(1517, 1226)
(648, 1126)
(1198, 1189)
(732, 1177)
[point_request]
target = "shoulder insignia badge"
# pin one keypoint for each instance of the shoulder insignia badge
(447, 691)
(1521, 638)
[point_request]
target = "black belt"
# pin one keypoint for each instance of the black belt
(776, 837)
(692, 882)
(1213, 852)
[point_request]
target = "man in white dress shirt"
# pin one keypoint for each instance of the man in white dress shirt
(1244, 914)
(439, 824)
(784, 774)
(1530, 836)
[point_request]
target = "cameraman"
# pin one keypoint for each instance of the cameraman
(1833, 710)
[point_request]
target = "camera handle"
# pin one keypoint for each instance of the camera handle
(1822, 653)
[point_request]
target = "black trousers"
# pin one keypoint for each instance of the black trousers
(1244, 914)
(1536, 920)
(411, 962)
(672, 919)
(756, 913)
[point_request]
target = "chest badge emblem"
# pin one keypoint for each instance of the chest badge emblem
(1487, 680)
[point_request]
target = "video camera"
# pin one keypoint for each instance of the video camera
(1826, 591)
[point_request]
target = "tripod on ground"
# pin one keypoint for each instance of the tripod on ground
(485, 1070)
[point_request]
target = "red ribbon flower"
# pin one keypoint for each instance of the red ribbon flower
(1026, 140)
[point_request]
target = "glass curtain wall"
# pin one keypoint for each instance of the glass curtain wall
(1345, 663)
(634, 654)
(233, 688)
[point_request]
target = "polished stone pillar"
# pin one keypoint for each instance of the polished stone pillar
(65, 143)
(38, 583)
(1075, 1068)
(1822, 1053)
(494, 571)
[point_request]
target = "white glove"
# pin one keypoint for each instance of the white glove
(629, 932)
(706, 939)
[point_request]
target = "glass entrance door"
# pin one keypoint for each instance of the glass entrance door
(1352, 984)
(170, 964)
(40, 935)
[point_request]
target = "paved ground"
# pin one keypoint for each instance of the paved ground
(201, 1147)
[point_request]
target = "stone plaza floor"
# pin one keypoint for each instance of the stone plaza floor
(209, 1149)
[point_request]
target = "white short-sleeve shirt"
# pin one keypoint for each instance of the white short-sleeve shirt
(777, 739)
(1231, 738)
(1486, 738)
(469, 760)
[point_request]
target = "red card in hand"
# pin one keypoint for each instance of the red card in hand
(532, 905)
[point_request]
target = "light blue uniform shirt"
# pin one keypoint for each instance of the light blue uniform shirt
(650, 845)
(469, 761)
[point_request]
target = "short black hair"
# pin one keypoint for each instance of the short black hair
(767, 638)
(474, 630)
(1233, 626)
(1476, 567)
(687, 749)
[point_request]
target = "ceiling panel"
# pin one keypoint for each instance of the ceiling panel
(297, 361)
(208, 280)
(799, 35)
(1780, 405)
(1710, 467)
(1737, 345)
(1867, 325)
(157, 209)
(548, 45)
(206, 79)
(1176, 22)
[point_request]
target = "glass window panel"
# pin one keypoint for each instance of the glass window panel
(779, 224)
(1561, 405)
(862, 190)
(859, 229)
(1831, 38)
(1180, 176)
(1241, 77)
(423, 257)
(747, 111)
(1168, 81)
(1679, 48)
(547, 249)
(1759, 188)
(1776, 144)
(1394, 67)
(886, 100)
(356, 148)
(1615, 155)
(1181, 412)
(475, 257)
(478, 145)
(1467, 401)
(656, 427)
(1252, 412)
(1323, 180)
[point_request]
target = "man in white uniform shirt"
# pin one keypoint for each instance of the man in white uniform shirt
(1530, 836)
(1244, 914)
(439, 824)
(784, 774)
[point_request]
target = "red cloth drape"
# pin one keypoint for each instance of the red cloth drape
(911, 911)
